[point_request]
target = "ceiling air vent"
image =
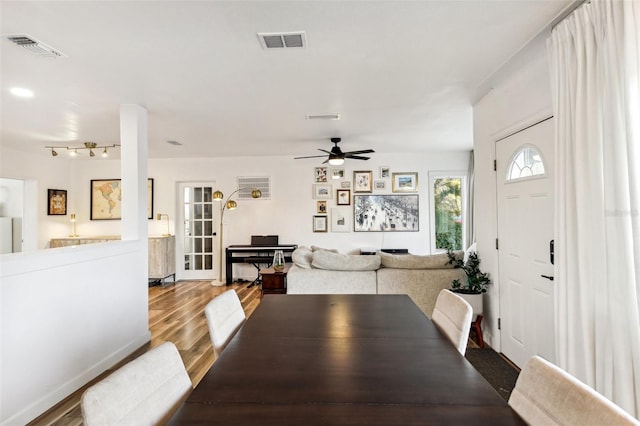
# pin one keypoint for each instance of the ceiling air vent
(34, 46)
(247, 184)
(323, 116)
(282, 40)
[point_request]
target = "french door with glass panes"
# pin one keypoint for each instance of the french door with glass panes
(196, 231)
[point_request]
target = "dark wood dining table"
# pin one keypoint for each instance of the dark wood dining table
(342, 360)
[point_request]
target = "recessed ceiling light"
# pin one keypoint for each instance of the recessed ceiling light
(22, 92)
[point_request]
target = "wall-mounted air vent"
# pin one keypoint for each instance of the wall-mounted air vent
(35, 47)
(248, 184)
(282, 40)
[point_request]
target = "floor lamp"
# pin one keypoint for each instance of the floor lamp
(229, 204)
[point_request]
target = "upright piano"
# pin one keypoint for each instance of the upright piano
(260, 251)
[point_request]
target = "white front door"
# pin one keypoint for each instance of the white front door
(195, 231)
(525, 167)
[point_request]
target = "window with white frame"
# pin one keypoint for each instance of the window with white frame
(447, 193)
(525, 163)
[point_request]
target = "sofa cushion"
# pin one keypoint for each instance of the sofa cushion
(302, 257)
(344, 262)
(412, 261)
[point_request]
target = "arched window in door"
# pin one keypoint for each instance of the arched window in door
(525, 163)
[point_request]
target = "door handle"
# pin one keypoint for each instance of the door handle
(550, 278)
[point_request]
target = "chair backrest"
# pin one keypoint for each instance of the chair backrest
(224, 317)
(546, 394)
(453, 315)
(146, 391)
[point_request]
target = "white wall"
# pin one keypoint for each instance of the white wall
(520, 96)
(53, 340)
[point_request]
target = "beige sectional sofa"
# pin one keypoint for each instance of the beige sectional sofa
(322, 271)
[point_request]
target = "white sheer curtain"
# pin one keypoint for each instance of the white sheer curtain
(595, 56)
(471, 190)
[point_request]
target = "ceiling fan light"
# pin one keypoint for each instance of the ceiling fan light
(336, 161)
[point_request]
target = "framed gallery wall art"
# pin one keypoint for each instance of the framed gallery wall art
(321, 174)
(340, 219)
(343, 197)
(56, 202)
(321, 207)
(337, 173)
(380, 185)
(319, 224)
(386, 213)
(322, 192)
(404, 182)
(362, 181)
(106, 199)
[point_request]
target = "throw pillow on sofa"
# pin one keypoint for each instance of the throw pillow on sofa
(344, 262)
(316, 248)
(413, 261)
(302, 257)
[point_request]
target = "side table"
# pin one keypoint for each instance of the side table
(274, 282)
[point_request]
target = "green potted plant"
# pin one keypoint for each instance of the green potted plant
(476, 282)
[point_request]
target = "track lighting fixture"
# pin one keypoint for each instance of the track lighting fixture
(91, 146)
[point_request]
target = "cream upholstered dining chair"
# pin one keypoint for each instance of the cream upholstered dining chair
(547, 395)
(146, 391)
(453, 315)
(224, 317)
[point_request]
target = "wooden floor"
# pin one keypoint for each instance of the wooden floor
(176, 314)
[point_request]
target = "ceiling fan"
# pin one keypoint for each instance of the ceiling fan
(336, 156)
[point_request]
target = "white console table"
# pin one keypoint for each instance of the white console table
(162, 252)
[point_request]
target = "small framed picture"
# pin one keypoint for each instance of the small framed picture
(321, 207)
(56, 202)
(380, 185)
(319, 224)
(404, 182)
(345, 185)
(340, 219)
(322, 192)
(343, 197)
(362, 181)
(337, 173)
(321, 174)
(384, 172)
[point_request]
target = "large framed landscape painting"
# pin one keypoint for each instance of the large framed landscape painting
(386, 213)
(106, 199)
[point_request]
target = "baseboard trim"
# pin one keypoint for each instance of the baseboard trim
(57, 395)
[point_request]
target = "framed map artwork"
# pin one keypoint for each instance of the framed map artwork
(106, 199)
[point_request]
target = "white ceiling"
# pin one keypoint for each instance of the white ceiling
(402, 74)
